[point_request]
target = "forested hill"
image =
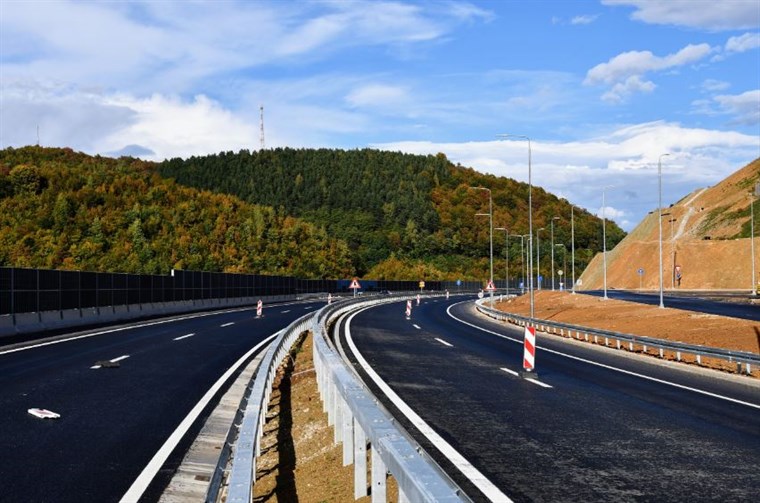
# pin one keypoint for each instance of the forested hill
(61, 209)
(403, 216)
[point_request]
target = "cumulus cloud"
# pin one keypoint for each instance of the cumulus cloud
(706, 15)
(745, 107)
(624, 71)
(743, 43)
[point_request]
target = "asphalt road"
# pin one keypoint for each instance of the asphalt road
(611, 427)
(113, 420)
(690, 303)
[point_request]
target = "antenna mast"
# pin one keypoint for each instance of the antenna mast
(261, 136)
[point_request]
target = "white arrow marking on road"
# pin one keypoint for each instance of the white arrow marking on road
(183, 337)
(444, 342)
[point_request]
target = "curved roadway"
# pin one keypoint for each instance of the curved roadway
(114, 420)
(597, 425)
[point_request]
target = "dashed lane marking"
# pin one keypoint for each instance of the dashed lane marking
(117, 359)
(444, 342)
(509, 371)
(183, 337)
(536, 381)
(227, 324)
(416, 326)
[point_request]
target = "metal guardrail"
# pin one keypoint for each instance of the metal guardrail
(741, 358)
(355, 413)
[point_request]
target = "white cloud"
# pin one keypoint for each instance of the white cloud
(704, 14)
(712, 85)
(585, 19)
(744, 107)
(624, 71)
(743, 43)
(377, 95)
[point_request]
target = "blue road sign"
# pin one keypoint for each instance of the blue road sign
(640, 272)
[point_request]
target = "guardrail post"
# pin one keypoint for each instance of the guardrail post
(360, 461)
(630, 347)
(378, 477)
(678, 355)
(661, 353)
(699, 359)
(338, 429)
(348, 435)
(749, 368)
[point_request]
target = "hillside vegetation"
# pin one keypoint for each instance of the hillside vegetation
(61, 209)
(403, 216)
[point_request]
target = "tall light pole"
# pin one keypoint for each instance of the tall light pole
(564, 260)
(659, 212)
(530, 220)
(490, 228)
(538, 257)
(552, 222)
(752, 237)
(506, 254)
(604, 238)
(572, 241)
(673, 253)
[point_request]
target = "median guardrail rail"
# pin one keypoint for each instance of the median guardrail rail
(743, 359)
(358, 418)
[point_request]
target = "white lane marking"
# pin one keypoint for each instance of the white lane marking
(183, 337)
(227, 324)
(609, 367)
(536, 381)
(117, 359)
(416, 326)
(307, 308)
(138, 487)
(444, 342)
(473, 474)
(286, 311)
(509, 371)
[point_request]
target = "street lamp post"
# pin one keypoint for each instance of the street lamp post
(552, 222)
(673, 253)
(523, 259)
(538, 257)
(604, 238)
(530, 220)
(564, 261)
(572, 241)
(659, 211)
(490, 228)
(506, 254)
(752, 239)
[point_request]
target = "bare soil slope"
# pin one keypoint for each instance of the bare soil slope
(699, 240)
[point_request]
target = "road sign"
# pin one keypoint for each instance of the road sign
(678, 272)
(640, 271)
(422, 285)
(355, 285)
(560, 272)
(459, 282)
(490, 287)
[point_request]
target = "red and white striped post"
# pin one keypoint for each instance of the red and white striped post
(259, 308)
(329, 299)
(418, 299)
(529, 354)
(408, 309)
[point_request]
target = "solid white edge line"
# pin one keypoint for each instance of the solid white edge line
(141, 483)
(473, 474)
(444, 342)
(183, 337)
(609, 367)
(509, 371)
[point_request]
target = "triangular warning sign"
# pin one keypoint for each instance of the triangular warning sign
(490, 286)
(355, 284)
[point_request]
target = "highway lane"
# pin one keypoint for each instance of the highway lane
(113, 420)
(596, 434)
(689, 303)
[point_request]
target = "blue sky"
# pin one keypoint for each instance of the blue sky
(602, 88)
